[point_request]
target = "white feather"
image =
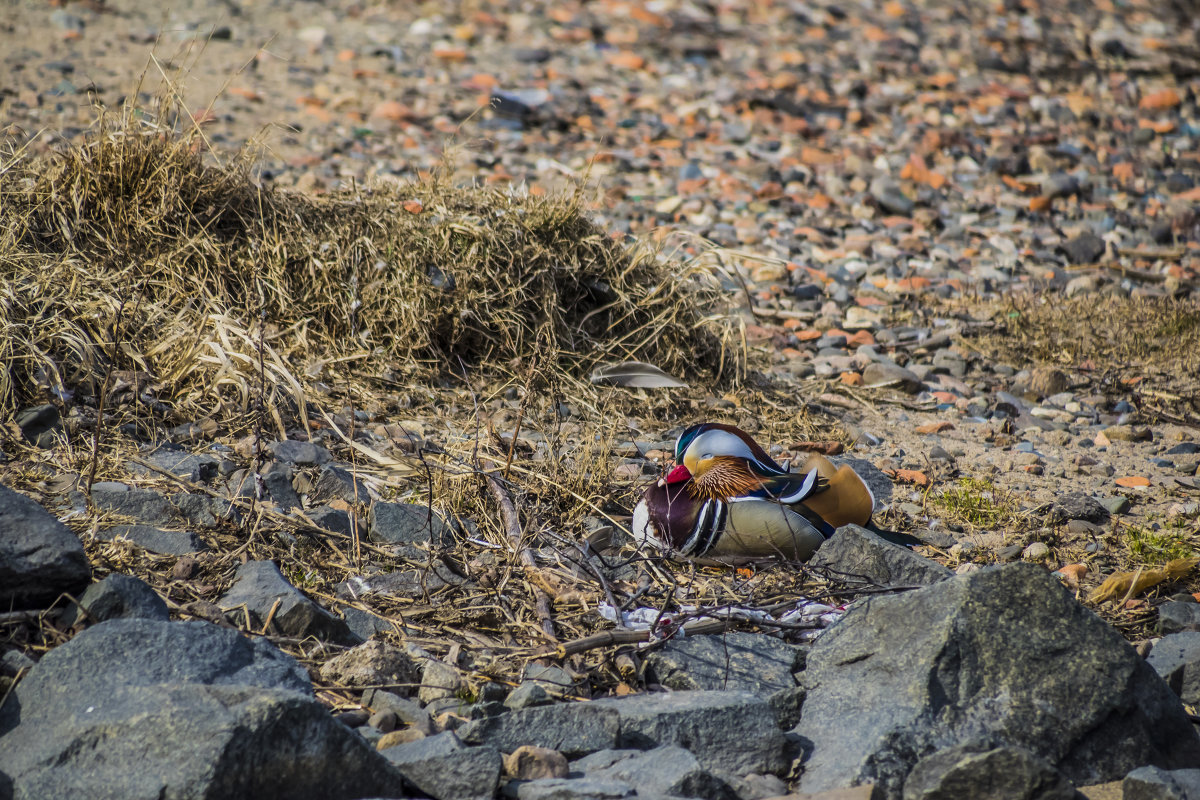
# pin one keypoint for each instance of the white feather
(644, 531)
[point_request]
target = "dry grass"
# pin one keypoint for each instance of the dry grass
(1149, 348)
(136, 251)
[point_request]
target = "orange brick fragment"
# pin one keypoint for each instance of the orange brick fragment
(626, 60)
(935, 427)
(1160, 100)
(851, 378)
(913, 476)
(1133, 481)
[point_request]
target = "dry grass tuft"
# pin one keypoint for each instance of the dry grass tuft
(136, 251)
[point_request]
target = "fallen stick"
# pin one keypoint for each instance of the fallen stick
(512, 526)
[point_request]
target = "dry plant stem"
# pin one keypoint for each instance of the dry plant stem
(512, 526)
(568, 649)
(118, 324)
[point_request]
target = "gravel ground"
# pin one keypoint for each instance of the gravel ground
(943, 222)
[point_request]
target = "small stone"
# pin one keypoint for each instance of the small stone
(1046, 381)
(119, 596)
(1118, 504)
(528, 695)
(1035, 552)
(155, 540)
(439, 680)
(39, 425)
(880, 374)
(396, 738)
(406, 523)
(1176, 657)
(1128, 433)
(304, 454)
(1084, 249)
(1155, 783)
(384, 721)
(372, 663)
(529, 763)
(1174, 616)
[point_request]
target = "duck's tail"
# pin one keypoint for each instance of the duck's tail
(846, 499)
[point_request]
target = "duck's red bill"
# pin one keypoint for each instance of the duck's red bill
(678, 475)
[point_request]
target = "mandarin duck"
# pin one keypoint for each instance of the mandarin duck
(726, 496)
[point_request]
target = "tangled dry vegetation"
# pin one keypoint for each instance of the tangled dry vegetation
(148, 285)
(136, 250)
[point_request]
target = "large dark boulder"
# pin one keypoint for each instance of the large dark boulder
(191, 741)
(999, 657)
(39, 556)
(136, 708)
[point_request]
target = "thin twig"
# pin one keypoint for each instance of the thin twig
(512, 526)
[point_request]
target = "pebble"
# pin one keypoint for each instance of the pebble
(1035, 552)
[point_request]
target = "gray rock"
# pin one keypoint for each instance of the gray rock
(1004, 773)
(890, 198)
(402, 583)
(1003, 656)
(370, 664)
(1175, 616)
(1176, 657)
(880, 374)
(1059, 184)
(1153, 783)
(143, 505)
(304, 454)
(573, 729)
(260, 585)
(731, 731)
(13, 662)
(205, 510)
(179, 462)
(555, 680)
(1117, 504)
(335, 483)
(406, 523)
(188, 741)
(331, 519)
(855, 551)
(747, 662)
(277, 477)
(142, 652)
(155, 540)
(120, 596)
(439, 680)
(573, 789)
(39, 424)
(528, 695)
(441, 767)
(669, 770)
(364, 624)
(1086, 248)
(407, 711)
(40, 558)
(1074, 506)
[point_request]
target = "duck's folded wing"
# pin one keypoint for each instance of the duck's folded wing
(788, 487)
(766, 528)
(845, 499)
